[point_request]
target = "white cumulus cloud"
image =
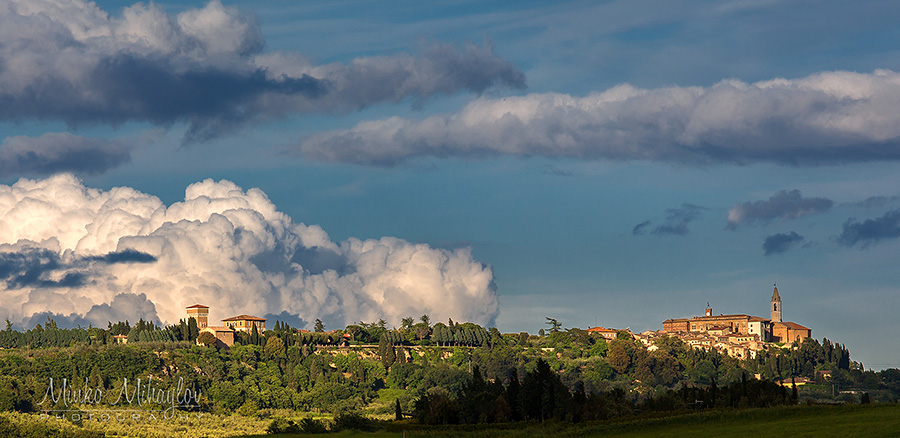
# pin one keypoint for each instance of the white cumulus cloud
(828, 117)
(89, 254)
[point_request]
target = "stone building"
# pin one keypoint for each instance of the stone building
(790, 332)
(606, 333)
(739, 334)
(245, 323)
(200, 313)
(224, 335)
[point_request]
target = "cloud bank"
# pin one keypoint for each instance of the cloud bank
(782, 205)
(829, 117)
(60, 152)
(90, 256)
(72, 61)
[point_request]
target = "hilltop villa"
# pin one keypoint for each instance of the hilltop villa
(225, 333)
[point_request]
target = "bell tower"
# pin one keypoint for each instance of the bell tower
(776, 306)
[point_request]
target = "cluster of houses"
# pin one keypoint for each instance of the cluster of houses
(738, 335)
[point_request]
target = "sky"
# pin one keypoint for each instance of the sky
(608, 163)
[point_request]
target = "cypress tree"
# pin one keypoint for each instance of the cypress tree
(794, 395)
(193, 329)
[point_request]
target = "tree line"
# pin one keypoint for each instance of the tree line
(286, 368)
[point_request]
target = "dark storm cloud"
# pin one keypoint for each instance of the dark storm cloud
(60, 152)
(553, 170)
(41, 267)
(204, 67)
(32, 267)
(825, 118)
(287, 318)
(782, 205)
(71, 320)
(641, 228)
(870, 231)
(212, 100)
(123, 307)
(877, 201)
(124, 256)
(675, 223)
(781, 242)
(677, 220)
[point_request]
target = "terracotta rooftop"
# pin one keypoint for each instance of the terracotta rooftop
(795, 326)
(739, 315)
(217, 329)
(601, 329)
(197, 306)
(244, 318)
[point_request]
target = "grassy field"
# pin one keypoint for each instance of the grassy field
(879, 420)
(799, 421)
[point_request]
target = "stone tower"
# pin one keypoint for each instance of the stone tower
(200, 313)
(776, 306)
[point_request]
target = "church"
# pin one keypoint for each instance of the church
(773, 329)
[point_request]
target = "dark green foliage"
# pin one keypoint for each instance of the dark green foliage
(794, 395)
(437, 408)
(282, 425)
(386, 351)
(193, 330)
(310, 425)
(274, 347)
(523, 339)
(208, 339)
(50, 336)
(353, 421)
(398, 412)
(14, 396)
(254, 336)
(555, 325)
(542, 396)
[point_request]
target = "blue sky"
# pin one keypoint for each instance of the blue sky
(754, 143)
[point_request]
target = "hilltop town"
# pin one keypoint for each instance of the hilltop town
(737, 335)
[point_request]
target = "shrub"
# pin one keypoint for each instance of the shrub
(309, 425)
(282, 425)
(353, 421)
